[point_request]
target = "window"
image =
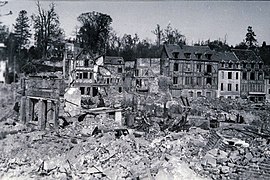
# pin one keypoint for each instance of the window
(244, 75)
(236, 87)
(80, 75)
(260, 76)
(252, 76)
(198, 56)
(188, 80)
(120, 70)
(187, 55)
(90, 75)
(136, 72)
(85, 75)
(230, 65)
(199, 81)
(120, 89)
(175, 80)
(268, 91)
(86, 62)
(208, 56)
(199, 94)
(221, 86)
(108, 80)
(209, 81)
(252, 65)
(199, 68)
(188, 67)
(248, 66)
(260, 66)
(236, 75)
(175, 55)
(190, 93)
(244, 65)
(175, 67)
(88, 91)
(222, 74)
(229, 75)
(222, 64)
(229, 87)
(209, 68)
(82, 90)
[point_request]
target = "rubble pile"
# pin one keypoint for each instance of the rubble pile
(51, 155)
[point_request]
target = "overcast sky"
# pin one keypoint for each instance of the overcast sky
(197, 20)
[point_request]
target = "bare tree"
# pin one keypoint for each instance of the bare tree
(47, 27)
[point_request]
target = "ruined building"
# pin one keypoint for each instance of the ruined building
(229, 75)
(252, 84)
(193, 70)
(146, 69)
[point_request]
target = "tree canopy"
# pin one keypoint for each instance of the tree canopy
(94, 31)
(22, 29)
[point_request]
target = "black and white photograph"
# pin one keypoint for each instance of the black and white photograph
(134, 90)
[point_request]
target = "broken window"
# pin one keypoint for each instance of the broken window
(86, 62)
(260, 76)
(199, 94)
(82, 90)
(209, 68)
(175, 80)
(120, 70)
(229, 75)
(120, 89)
(190, 93)
(229, 87)
(209, 81)
(244, 75)
(88, 90)
(175, 67)
(85, 75)
(252, 76)
(221, 86)
(95, 91)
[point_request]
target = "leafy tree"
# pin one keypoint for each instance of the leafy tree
(47, 28)
(218, 46)
(250, 39)
(21, 29)
(94, 32)
(172, 36)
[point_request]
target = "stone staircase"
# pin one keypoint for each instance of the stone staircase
(213, 141)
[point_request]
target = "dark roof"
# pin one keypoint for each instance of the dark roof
(246, 55)
(193, 50)
(226, 56)
(113, 60)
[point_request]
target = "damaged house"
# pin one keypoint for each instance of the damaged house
(146, 69)
(193, 70)
(94, 75)
(252, 81)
